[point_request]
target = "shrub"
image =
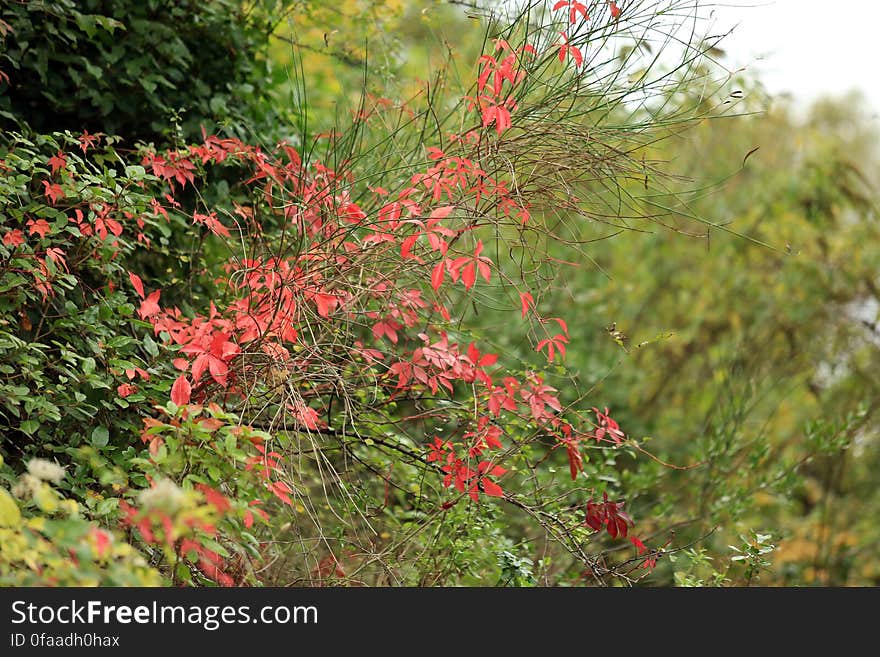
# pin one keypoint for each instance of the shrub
(131, 69)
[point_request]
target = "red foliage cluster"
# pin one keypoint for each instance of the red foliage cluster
(609, 515)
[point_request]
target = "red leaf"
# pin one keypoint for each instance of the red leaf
(326, 303)
(387, 327)
(495, 470)
(437, 275)
(526, 300)
(561, 323)
(407, 245)
(218, 369)
(150, 305)
(87, 141)
(40, 227)
(485, 271)
(211, 424)
(469, 276)
(305, 415)
(53, 192)
(212, 222)
(57, 256)
(612, 528)
(126, 389)
(638, 544)
(492, 489)
(281, 490)
(57, 161)
(442, 213)
(13, 238)
(575, 460)
(102, 541)
(137, 283)
(181, 391)
(554, 346)
(565, 49)
(574, 8)
(214, 498)
(199, 366)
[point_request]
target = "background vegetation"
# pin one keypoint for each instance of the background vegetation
(689, 264)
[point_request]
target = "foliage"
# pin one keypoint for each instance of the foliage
(80, 367)
(745, 356)
(150, 70)
(395, 344)
(57, 545)
(326, 306)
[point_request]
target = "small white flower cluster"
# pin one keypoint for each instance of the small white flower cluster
(46, 470)
(26, 486)
(39, 470)
(164, 494)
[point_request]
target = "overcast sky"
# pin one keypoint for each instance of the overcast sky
(806, 47)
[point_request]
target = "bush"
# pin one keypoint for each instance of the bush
(131, 69)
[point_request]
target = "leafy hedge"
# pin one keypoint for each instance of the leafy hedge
(79, 368)
(136, 69)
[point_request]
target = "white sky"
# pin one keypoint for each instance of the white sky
(806, 47)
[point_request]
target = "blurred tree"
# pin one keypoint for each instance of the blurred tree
(765, 299)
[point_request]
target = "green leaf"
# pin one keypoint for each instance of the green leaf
(100, 437)
(107, 506)
(119, 341)
(150, 346)
(29, 426)
(215, 546)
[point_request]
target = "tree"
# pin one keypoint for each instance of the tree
(741, 345)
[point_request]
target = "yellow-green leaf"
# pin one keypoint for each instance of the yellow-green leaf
(10, 516)
(46, 499)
